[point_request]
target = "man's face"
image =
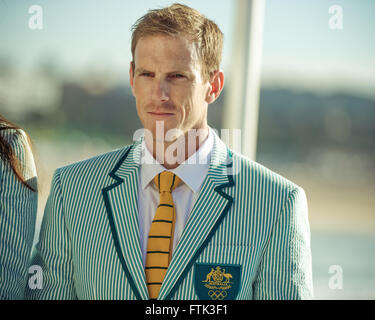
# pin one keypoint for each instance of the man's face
(167, 84)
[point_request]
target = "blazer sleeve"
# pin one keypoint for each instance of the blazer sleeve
(18, 209)
(53, 251)
(285, 271)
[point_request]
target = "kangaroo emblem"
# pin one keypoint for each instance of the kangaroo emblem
(210, 275)
(227, 277)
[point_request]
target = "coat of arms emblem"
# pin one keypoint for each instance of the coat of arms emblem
(220, 281)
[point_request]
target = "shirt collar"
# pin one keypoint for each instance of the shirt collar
(192, 171)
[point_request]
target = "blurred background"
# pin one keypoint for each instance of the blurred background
(67, 85)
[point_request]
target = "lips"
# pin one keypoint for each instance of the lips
(160, 115)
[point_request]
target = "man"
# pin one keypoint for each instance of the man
(144, 222)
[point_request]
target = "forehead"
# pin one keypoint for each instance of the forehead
(166, 51)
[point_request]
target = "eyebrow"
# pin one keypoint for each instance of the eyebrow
(141, 70)
(180, 71)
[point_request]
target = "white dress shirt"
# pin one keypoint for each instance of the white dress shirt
(184, 195)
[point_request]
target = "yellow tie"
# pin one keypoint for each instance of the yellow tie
(160, 238)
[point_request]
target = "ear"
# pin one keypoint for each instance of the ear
(216, 86)
(131, 76)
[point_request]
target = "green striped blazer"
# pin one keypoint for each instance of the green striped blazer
(18, 208)
(247, 236)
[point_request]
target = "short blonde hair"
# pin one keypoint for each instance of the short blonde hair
(179, 19)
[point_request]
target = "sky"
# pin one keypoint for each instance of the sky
(300, 51)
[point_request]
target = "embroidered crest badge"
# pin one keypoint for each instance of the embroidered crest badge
(217, 282)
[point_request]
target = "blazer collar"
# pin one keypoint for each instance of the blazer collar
(120, 200)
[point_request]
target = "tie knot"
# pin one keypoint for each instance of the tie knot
(166, 181)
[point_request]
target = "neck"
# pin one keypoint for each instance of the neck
(172, 153)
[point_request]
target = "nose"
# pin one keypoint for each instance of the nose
(160, 92)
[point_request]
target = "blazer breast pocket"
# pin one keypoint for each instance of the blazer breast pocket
(225, 272)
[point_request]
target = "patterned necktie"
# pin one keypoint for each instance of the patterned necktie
(160, 238)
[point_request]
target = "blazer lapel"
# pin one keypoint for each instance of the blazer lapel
(121, 204)
(206, 216)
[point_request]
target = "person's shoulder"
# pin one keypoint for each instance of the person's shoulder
(16, 138)
(258, 174)
(21, 148)
(96, 164)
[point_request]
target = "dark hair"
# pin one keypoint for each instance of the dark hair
(7, 154)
